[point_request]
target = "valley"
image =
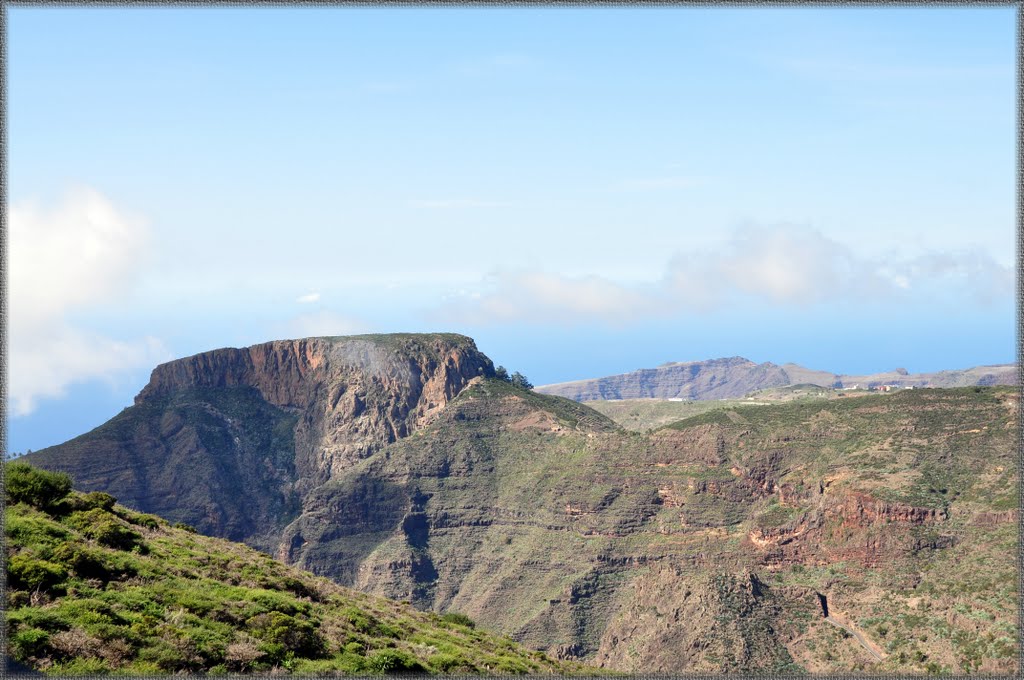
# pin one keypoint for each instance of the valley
(655, 536)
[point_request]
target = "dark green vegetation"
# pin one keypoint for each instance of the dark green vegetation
(94, 587)
(702, 546)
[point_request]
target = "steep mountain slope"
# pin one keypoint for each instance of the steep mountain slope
(702, 546)
(94, 587)
(230, 441)
(736, 377)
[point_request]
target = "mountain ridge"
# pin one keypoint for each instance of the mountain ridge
(733, 377)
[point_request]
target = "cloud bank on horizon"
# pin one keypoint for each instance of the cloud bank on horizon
(781, 265)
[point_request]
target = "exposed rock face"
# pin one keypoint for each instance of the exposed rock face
(664, 625)
(737, 377)
(714, 379)
(233, 440)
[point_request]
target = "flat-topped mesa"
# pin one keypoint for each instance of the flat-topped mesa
(284, 371)
(713, 379)
(291, 373)
(266, 422)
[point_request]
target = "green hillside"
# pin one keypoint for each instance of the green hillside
(94, 587)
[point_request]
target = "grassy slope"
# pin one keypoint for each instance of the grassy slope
(94, 589)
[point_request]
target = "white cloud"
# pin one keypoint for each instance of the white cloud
(308, 298)
(782, 265)
(550, 298)
(318, 324)
(80, 255)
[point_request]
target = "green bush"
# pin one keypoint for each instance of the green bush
(281, 633)
(26, 572)
(394, 661)
(35, 530)
(446, 663)
(28, 642)
(355, 647)
(511, 666)
(90, 563)
(458, 619)
(148, 521)
(105, 529)
(99, 500)
(39, 488)
(361, 621)
(36, 617)
(165, 657)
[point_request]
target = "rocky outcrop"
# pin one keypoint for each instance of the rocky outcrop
(679, 621)
(852, 526)
(233, 440)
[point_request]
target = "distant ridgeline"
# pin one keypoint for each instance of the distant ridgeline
(737, 377)
(399, 465)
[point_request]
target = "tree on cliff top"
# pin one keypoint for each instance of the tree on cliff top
(519, 380)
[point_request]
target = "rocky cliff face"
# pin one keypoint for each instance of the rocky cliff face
(233, 440)
(714, 379)
(737, 377)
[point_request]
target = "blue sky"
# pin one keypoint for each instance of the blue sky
(584, 191)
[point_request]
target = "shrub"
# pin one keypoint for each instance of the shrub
(39, 488)
(35, 530)
(446, 663)
(27, 572)
(35, 617)
(458, 619)
(148, 521)
(361, 621)
(508, 665)
(281, 633)
(241, 655)
(28, 642)
(105, 529)
(393, 661)
(74, 643)
(355, 647)
(90, 563)
(98, 500)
